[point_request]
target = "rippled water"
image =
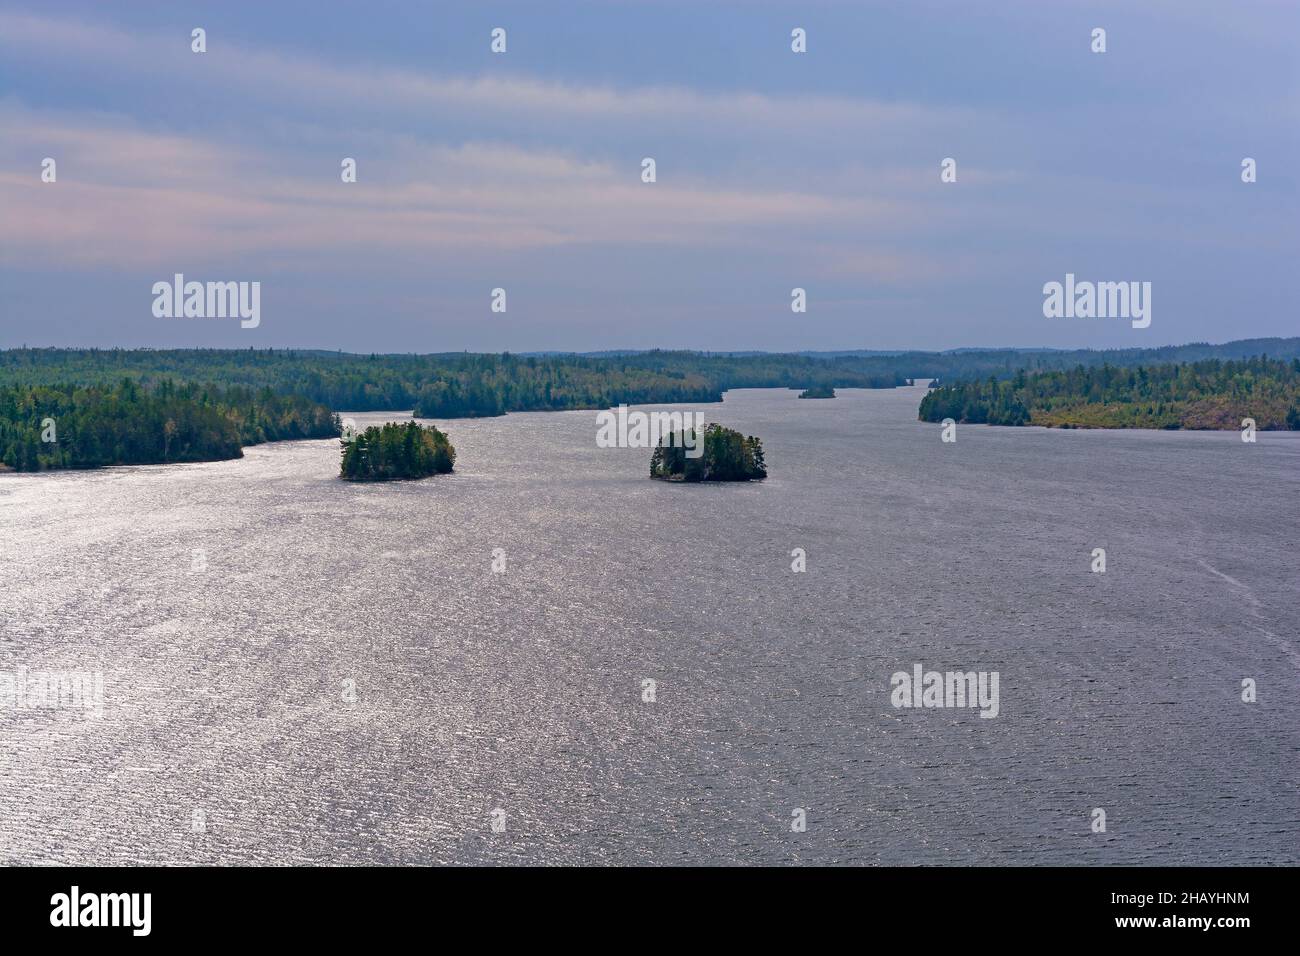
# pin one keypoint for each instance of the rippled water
(225, 688)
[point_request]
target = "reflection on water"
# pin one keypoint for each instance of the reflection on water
(302, 670)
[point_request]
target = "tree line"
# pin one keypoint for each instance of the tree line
(74, 426)
(1210, 394)
(462, 384)
(136, 406)
(449, 385)
(456, 384)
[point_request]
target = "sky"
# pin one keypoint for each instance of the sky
(522, 171)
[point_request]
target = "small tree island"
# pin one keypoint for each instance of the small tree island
(818, 391)
(727, 456)
(396, 452)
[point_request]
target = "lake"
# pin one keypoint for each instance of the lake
(302, 670)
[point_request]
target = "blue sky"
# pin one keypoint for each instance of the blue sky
(522, 171)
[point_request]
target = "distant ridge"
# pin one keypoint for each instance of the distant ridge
(459, 384)
(1277, 347)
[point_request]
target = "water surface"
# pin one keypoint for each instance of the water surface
(227, 689)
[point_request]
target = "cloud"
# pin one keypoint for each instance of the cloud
(227, 165)
(263, 177)
(297, 82)
(133, 198)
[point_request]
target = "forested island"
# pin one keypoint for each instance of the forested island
(818, 391)
(396, 451)
(727, 456)
(1210, 394)
(70, 426)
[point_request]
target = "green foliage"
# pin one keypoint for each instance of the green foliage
(728, 456)
(990, 402)
(763, 370)
(452, 385)
(493, 385)
(978, 364)
(1208, 394)
(396, 451)
(459, 384)
(818, 391)
(129, 424)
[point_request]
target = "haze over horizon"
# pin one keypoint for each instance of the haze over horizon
(522, 170)
(614, 350)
